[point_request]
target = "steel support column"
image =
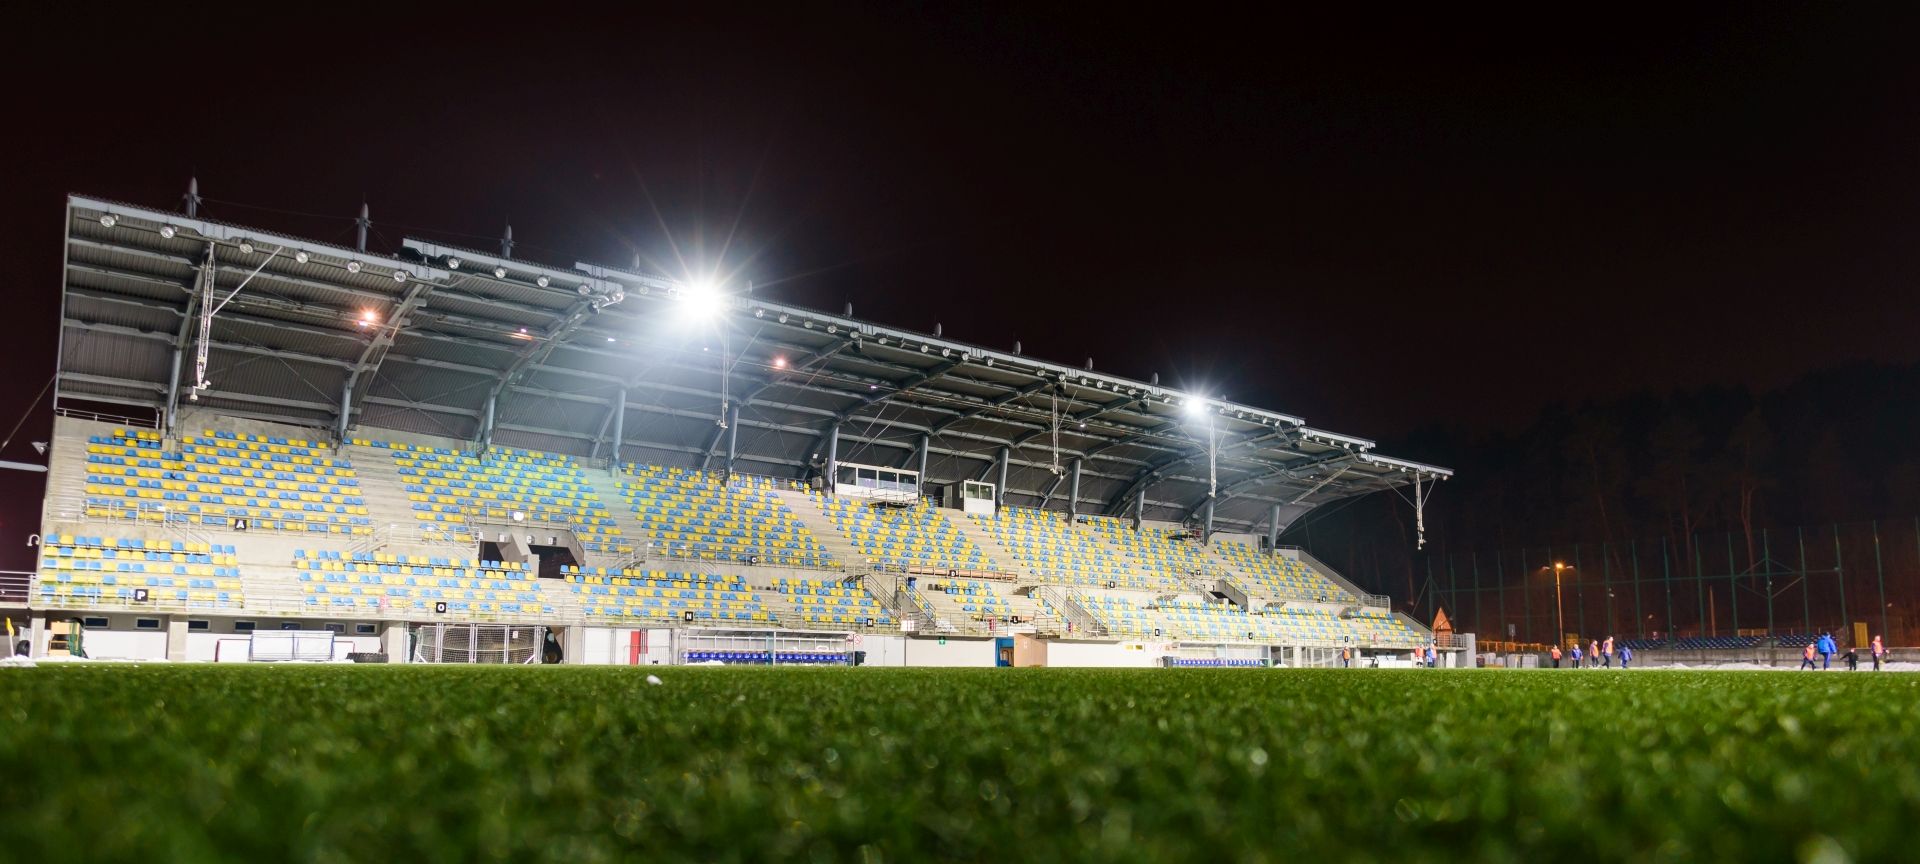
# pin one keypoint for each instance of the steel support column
(1073, 492)
(619, 425)
(346, 411)
(831, 468)
(920, 459)
(1005, 454)
(1273, 528)
(733, 438)
(486, 425)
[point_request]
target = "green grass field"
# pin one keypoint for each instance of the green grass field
(173, 763)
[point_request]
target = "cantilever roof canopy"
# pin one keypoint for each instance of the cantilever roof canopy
(459, 343)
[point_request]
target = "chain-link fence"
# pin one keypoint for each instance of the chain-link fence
(1838, 578)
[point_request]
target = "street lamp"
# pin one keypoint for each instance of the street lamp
(1559, 611)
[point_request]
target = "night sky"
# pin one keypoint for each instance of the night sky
(1378, 222)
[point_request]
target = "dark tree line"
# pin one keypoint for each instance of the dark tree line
(1838, 445)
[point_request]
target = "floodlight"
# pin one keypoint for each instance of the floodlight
(701, 299)
(399, 275)
(108, 220)
(368, 316)
(779, 362)
(300, 256)
(167, 231)
(246, 248)
(1196, 407)
(609, 338)
(353, 266)
(499, 272)
(543, 281)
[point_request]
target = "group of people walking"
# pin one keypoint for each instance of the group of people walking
(1599, 654)
(1825, 647)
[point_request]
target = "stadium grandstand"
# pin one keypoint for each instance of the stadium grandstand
(459, 454)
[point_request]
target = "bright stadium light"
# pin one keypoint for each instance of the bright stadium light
(353, 266)
(301, 256)
(701, 299)
(499, 272)
(108, 220)
(167, 231)
(543, 281)
(779, 362)
(1196, 408)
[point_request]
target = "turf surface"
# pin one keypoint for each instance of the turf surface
(174, 763)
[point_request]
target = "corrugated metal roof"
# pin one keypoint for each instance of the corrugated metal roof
(289, 342)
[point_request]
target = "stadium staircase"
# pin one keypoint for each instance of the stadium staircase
(810, 514)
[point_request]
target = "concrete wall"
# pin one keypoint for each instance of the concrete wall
(125, 644)
(957, 652)
(1063, 653)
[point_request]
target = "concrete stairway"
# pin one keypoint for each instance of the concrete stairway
(380, 486)
(997, 552)
(830, 538)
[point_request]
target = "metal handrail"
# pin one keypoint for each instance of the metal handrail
(98, 417)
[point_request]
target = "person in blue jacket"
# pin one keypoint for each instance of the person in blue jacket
(1576, 655)
(1827, 650)
(1626, 655)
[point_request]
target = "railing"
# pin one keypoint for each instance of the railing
(1377, 601)
(14, 586)
(914, 607)
(192, 525)
(1069, 608)
(117, 419)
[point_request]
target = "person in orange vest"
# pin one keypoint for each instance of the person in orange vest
(1593, 653)
(1606, 652)
(1555, 654)
(1879, 651)
(1806, 657)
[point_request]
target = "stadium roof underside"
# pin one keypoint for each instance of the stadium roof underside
(439, 341)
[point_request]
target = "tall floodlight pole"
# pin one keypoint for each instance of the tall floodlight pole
(1559, 608)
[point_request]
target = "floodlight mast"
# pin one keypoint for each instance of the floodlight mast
(208, 309)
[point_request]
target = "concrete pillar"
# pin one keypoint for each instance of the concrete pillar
(176, 638)
(393, 641)
(573, 645)
(37, 635)
(1073, 492)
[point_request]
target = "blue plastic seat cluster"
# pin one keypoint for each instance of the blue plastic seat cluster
(1214, 663)
(758, 658)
